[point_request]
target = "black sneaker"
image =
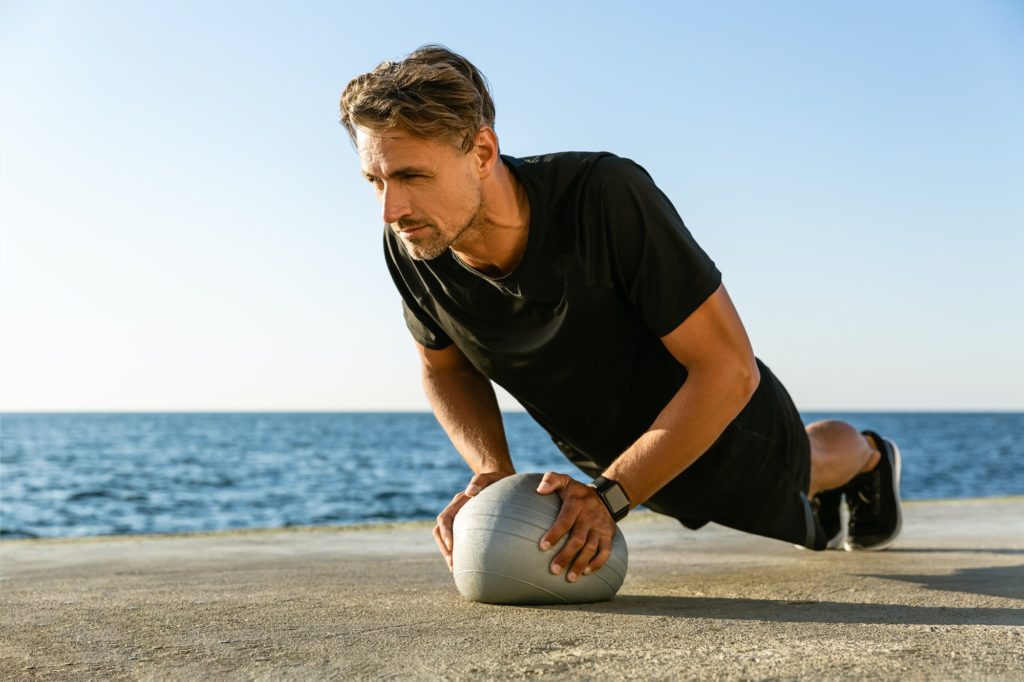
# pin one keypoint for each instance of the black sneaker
(874, 500)
(826, 506)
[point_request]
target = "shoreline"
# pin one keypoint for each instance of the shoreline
(636, 516)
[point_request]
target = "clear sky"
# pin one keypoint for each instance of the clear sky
(184, 226)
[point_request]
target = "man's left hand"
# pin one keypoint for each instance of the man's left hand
(587, 521)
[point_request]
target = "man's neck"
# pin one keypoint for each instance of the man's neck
(497, 242)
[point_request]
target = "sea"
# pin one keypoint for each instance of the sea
(115, 474)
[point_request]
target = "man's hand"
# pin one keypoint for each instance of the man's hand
(443, 530)
(586, 519)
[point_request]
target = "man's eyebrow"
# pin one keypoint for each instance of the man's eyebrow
(399, 172)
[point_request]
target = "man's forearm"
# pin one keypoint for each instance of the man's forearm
(687, 426)
(466, 407)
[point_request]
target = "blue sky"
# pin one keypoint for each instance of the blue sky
(183, 226)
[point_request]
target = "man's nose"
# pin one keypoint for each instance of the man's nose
(394, 205)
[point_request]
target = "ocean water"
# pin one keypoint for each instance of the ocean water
(91, 474)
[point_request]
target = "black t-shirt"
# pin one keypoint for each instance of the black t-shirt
(573, 332)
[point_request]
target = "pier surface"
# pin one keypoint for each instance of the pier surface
(945, 602)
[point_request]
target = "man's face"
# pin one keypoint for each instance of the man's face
(429, 190)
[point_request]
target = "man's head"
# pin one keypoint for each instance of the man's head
(424, 131)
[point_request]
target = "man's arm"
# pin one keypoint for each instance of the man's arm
(722, 375)
(466, 407)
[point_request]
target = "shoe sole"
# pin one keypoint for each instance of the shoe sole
(836, 542)
(897, 470)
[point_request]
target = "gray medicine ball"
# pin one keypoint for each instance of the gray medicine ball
(496, 558)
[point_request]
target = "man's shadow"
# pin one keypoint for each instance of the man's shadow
(998, 581)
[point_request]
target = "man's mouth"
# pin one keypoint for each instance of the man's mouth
(409, 232)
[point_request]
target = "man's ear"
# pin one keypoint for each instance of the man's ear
(485, 148)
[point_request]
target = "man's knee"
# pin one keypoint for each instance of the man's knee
(827, 431)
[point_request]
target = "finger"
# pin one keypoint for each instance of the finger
(568, 553)
(476, 484)
(604, 552)
(445, 552)
(565, 520)
(551, 482)
(447, 517)
(584, 556)
(481, 481)
(443, 531)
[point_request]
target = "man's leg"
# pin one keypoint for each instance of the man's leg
(863, 469)
(838, 453)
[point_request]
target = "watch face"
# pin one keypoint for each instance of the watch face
(616, 498)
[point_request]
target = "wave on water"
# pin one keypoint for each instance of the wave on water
(16, 534)
(93, 474)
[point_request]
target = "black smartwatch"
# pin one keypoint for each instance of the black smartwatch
(613, 496)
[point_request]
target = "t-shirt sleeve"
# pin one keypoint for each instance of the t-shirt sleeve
(424, 329)
(664, 274)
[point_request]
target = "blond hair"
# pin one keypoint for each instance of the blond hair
(432, 93)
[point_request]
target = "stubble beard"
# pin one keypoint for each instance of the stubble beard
(436, 244)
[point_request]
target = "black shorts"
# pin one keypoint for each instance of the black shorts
(754, 478)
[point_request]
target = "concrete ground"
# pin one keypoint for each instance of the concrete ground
(946, 602)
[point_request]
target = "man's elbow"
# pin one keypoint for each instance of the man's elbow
(742, 378)
(749, 378)
(735, 379)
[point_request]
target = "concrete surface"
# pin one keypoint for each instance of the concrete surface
(946, 602)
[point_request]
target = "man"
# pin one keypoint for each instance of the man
(570, 280)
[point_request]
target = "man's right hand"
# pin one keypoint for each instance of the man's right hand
(443, 530)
